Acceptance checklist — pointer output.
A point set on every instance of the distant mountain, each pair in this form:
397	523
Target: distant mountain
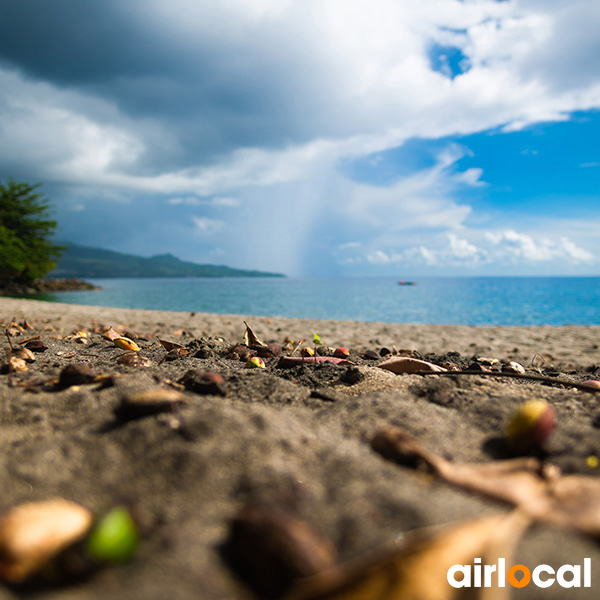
84	262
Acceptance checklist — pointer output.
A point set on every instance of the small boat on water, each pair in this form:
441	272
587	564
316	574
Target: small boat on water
407	283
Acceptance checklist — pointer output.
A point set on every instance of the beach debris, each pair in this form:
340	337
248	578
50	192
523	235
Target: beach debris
270	351
530	425
124	343
111	335
134	360
168	346
420	567
341	352
26	325
36	346
114	538
536	487
176	353
370	355
79	337
76	374
13	365
204	382
32	534
293	361
306	351
352	375
24	354
149	402
593	383
269	548
239	352
251	340
513	367
403	364
317	340
13	329
256	362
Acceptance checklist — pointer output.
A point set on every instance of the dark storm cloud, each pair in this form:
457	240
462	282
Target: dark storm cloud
214	92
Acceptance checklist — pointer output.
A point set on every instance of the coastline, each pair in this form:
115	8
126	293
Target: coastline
294	439
565	343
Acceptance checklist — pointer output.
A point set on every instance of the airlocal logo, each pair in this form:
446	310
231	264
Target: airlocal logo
519	576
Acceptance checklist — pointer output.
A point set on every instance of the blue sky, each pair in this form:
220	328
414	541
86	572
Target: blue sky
313	137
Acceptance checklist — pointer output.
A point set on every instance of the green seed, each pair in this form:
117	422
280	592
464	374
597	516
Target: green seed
114	538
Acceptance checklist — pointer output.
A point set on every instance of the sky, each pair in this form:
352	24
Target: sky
315	138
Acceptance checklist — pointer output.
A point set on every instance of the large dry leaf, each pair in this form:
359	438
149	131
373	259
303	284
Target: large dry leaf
539	489
251	340
418	570
403	364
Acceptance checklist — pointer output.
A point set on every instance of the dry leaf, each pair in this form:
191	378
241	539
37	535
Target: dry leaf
418	570
251	340
403	364
111	335
538	488
168	346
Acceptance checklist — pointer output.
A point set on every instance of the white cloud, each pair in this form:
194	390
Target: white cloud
225	201
491	248
513	246
205	225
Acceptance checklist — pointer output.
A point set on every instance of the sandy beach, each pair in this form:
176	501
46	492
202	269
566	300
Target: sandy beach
293	438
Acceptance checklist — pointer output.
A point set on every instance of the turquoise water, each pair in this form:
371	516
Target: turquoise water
468	301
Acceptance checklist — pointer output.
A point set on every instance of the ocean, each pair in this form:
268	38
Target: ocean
466	301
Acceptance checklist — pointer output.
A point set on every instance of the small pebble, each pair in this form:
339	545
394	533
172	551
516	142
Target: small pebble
513	367
76	374
204	382
150	402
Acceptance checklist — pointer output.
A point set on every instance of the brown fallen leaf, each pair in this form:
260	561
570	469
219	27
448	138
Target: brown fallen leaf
419	569
110	334
251	340
537	488
168	346
404	364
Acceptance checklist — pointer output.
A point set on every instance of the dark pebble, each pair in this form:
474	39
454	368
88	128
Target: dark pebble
204	382
76	374
370	355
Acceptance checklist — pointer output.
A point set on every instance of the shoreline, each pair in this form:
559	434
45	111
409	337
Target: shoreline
578	344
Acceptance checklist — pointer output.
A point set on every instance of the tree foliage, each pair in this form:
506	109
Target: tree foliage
26	252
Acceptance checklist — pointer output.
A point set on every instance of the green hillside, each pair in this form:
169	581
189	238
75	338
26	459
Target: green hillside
84	262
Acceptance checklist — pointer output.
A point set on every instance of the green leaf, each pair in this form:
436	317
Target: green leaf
316	340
